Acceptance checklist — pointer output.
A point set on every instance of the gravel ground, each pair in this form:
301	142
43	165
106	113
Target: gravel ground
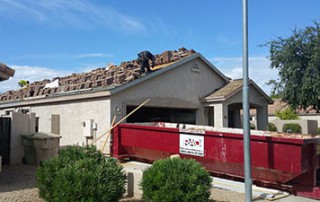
17	183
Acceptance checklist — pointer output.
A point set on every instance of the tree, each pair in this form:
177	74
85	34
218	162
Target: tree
297	59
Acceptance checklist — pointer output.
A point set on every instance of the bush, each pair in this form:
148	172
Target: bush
272	127
80	174
318	131
176	180
287	114
291	128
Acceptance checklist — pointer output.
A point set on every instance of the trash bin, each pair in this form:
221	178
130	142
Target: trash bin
39	147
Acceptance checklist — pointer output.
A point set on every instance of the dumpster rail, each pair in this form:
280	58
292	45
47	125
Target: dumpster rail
279	160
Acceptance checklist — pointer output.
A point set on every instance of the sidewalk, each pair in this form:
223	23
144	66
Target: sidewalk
222	190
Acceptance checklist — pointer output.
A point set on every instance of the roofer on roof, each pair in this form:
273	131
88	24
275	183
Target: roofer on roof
23	83
143	59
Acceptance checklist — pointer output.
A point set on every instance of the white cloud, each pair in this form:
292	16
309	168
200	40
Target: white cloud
93	55
259	69
80	13
64	56
31	74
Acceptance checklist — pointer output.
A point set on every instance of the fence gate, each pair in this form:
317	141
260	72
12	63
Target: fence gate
5	129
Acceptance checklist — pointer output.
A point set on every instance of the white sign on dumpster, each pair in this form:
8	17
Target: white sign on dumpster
191	144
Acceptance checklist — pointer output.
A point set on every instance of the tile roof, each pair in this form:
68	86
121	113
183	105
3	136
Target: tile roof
232	88
280	105
111	76
226	90
5	72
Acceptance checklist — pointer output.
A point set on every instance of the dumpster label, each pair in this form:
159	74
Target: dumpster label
197	131
191	144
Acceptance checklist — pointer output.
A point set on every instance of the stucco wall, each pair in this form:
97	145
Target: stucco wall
21	124
255	98
309	117
72	115
307	126
180	87
312	117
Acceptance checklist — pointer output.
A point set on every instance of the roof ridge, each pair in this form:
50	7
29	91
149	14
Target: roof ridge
111	75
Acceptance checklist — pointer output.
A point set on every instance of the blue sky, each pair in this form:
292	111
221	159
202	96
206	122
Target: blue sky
47	38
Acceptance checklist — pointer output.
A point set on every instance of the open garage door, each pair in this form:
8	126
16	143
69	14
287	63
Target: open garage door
155	114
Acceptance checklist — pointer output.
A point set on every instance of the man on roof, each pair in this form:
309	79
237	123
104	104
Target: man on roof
23	83
143	59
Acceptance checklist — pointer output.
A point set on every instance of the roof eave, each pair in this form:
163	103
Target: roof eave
5	72
215	99
62	97
4	76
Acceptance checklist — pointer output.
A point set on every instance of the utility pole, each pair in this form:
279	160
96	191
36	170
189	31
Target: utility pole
246	105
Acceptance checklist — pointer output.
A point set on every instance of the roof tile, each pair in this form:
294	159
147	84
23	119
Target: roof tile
110	76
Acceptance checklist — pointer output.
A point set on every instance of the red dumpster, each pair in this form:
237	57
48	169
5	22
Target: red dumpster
279	160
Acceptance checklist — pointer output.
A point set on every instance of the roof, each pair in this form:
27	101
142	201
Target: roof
227	90
5	72
277	104
169	67
233	87
115	78
280	105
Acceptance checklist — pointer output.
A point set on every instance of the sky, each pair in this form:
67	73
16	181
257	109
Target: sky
42	39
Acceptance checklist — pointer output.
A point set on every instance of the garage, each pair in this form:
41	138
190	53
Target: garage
155	114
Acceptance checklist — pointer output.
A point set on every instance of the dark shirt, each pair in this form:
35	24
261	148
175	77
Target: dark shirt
145	56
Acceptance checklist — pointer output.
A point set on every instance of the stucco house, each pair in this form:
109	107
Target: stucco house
309	119
184	88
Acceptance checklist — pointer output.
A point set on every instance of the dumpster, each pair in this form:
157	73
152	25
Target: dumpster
39	147
279	160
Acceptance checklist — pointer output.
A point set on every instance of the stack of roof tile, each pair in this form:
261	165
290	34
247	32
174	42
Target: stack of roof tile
110	76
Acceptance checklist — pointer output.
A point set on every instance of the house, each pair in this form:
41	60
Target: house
309	119
184	88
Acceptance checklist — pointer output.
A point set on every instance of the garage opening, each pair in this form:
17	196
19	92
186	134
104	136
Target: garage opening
155	114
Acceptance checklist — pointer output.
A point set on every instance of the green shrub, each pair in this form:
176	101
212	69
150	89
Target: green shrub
80	174
176	180
252	126
292	128
272	127
318	131
287	114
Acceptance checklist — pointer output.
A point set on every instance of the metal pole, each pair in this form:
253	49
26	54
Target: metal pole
245	106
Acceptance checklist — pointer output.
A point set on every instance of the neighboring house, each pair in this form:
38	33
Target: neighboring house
278	104
186	88
309	119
